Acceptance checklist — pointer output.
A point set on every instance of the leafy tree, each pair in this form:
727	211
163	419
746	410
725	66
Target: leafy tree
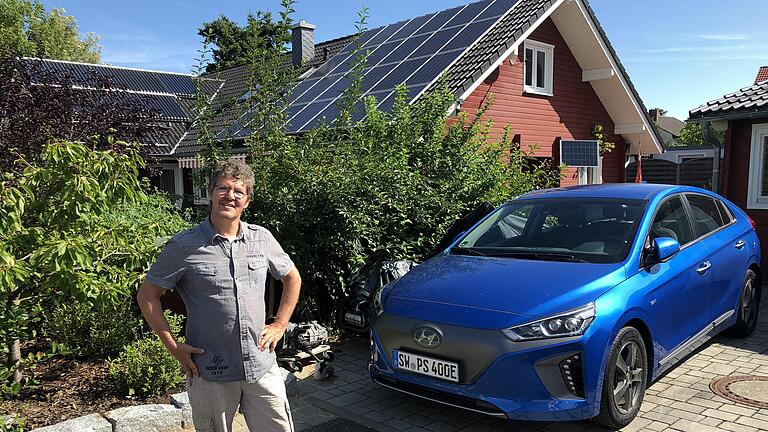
691	136
66	234
27	29
32	115
235	44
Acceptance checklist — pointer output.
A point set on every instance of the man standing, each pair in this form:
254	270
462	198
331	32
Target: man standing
219	269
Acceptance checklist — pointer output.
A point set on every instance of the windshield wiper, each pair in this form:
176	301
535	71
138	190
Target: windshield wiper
466	251
539	256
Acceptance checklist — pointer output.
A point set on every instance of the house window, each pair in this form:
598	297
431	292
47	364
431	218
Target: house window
538	67
757	197
201	193
591	175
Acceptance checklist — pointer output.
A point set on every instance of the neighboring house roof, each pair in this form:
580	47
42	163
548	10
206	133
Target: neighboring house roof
171	95
671	125
748	102
762	74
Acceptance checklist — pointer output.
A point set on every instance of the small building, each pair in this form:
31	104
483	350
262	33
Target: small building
742	176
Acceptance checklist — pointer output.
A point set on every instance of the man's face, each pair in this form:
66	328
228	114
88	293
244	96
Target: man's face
229	198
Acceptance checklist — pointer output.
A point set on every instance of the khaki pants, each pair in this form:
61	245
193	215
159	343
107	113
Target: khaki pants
264	404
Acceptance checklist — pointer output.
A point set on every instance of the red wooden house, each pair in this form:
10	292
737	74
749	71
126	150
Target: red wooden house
549	65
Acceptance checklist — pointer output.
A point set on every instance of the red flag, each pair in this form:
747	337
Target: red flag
639	175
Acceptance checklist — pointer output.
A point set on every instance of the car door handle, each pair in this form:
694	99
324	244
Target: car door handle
739	244
703	267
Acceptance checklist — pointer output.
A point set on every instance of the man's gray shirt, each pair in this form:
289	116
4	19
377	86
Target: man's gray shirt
222	285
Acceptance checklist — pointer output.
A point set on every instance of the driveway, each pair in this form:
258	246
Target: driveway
680	401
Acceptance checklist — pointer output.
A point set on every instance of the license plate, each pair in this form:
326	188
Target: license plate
426	365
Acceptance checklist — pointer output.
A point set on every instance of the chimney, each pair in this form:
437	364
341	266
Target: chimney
303	42
655	114
762	74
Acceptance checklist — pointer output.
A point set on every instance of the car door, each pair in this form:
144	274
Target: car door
681	284
717	231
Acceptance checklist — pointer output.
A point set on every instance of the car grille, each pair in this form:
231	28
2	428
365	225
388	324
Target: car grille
442	397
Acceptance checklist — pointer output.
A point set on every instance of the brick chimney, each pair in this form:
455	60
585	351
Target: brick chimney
303	42
655	114
762	74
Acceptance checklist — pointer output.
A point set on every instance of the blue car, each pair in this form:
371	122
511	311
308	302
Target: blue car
567	303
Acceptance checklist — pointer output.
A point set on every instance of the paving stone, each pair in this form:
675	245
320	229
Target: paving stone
145	418
749	421
690	426
346	399
89	423
735	427
722	415
398	424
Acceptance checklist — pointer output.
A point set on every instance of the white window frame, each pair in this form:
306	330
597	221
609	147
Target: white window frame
197	192
549	55
756	163
590	175
177	181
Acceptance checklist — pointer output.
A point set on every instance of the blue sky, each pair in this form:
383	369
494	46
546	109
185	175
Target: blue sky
679	53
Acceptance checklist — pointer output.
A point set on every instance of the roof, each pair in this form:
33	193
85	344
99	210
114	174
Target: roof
762	74
748	102
641	191
671	125
171	95
236	84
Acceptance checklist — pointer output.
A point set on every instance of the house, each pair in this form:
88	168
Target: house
741	176
668	127
548	64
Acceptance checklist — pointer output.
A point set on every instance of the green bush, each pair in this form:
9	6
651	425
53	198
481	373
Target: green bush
145	367
12	424
92	332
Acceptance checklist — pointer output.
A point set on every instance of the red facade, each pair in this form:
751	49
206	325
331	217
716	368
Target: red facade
542	121
738	145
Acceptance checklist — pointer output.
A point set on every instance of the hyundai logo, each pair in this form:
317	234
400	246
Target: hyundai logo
427	337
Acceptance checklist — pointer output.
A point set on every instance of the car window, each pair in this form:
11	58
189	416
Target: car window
593	230
725	212
671	220
706	216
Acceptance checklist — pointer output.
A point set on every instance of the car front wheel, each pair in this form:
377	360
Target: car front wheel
625	379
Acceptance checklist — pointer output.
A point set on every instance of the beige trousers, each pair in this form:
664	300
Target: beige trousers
264	404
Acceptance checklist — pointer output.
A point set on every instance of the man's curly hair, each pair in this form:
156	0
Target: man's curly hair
236	169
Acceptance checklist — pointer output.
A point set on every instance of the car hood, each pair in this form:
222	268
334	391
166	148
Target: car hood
490	292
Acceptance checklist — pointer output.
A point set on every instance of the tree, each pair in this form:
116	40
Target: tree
236	45
691	136
32	115
27	29
64	234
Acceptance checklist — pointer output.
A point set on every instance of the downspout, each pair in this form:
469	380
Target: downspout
709	138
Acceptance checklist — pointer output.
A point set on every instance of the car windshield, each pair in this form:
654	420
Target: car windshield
577	230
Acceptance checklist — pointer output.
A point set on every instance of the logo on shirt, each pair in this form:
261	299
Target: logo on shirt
216	365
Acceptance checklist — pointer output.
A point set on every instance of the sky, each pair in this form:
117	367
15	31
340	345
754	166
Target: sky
678	53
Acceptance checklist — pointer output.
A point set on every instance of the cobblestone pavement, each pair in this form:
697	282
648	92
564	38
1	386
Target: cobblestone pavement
680	401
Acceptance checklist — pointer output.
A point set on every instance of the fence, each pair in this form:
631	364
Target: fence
691	172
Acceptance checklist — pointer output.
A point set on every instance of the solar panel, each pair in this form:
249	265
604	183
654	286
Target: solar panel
579	153
415	52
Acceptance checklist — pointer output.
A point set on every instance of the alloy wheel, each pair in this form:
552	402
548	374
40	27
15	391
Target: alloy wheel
627	383
748	302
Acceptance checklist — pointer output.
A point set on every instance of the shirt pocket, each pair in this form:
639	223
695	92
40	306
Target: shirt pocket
257	271
206	278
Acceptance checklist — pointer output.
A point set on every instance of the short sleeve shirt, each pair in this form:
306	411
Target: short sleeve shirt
222	284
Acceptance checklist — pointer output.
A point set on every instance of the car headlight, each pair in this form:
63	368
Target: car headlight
571	323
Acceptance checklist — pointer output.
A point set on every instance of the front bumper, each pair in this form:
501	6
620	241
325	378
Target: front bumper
524	382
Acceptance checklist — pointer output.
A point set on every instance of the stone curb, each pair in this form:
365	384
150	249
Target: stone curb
145	418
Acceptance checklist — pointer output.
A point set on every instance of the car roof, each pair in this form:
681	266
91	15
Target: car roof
642	191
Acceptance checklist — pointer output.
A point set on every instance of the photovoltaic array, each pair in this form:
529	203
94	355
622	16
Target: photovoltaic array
414	52
579	153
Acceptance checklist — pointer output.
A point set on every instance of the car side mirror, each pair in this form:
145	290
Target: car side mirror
662	249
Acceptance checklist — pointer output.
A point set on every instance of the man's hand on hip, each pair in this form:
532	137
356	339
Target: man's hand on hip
183	354
271	335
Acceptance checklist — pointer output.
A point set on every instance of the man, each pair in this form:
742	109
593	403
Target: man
219	269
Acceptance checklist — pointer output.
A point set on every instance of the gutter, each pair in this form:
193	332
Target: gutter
709	138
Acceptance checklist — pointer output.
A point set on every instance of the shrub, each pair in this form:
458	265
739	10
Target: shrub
12	424
92	332
145	367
